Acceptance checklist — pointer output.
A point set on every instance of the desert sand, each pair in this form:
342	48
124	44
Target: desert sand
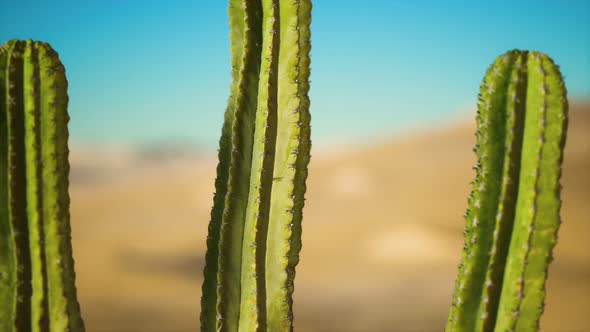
382	234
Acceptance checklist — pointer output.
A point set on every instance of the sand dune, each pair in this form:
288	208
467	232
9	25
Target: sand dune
382	235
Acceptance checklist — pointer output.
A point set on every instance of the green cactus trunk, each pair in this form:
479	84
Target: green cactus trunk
513	211
255	230
37	291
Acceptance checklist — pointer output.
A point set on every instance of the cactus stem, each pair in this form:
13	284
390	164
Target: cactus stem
521	105
38	296
254	235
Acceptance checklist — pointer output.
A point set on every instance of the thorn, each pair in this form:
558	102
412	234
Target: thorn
481	186
490	88
544	107
516	79
543	89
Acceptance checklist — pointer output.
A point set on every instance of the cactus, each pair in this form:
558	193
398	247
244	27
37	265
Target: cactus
37	291
255	230
513	210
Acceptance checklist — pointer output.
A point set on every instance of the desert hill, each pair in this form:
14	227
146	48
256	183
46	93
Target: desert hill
382	234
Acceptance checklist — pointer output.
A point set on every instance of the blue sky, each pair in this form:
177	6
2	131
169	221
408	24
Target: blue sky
144	72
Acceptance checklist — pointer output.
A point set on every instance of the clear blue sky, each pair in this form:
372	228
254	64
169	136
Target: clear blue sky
158	71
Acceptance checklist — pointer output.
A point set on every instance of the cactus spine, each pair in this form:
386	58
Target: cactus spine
513	210
255	230
37	291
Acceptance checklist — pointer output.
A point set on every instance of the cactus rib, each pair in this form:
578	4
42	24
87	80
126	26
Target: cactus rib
40	293
209	288
291	160
253	291
254	233
513	210
232	221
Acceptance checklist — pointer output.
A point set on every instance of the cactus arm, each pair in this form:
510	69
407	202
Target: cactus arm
236	198
40	294
209	288
262	172
291	160
253	289
537	214
521	136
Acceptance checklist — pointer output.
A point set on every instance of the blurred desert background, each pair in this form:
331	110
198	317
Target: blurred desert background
381	243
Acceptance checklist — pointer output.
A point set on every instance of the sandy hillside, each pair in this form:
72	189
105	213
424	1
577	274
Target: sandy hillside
382	235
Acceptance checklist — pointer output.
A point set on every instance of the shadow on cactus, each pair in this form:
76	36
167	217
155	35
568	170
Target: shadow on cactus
37	290
513	210
255	230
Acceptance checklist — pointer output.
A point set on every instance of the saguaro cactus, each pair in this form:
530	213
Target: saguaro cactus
255	230
513	210
37	291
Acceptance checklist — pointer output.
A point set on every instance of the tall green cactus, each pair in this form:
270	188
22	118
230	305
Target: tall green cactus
513	210
37	291
255	230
